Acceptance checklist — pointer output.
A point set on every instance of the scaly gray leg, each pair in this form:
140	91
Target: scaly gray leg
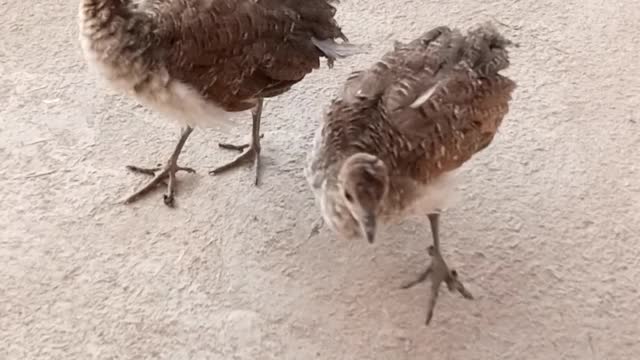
252	154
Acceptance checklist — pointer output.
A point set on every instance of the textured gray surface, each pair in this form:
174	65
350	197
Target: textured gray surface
544	232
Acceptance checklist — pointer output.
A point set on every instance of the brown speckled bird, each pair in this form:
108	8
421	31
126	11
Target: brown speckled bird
199	60
389	145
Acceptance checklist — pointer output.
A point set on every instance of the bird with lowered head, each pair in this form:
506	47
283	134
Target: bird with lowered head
390	144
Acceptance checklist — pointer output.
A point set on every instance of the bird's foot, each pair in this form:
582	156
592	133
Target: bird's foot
251	155
160	174
239	148
315	228
439	272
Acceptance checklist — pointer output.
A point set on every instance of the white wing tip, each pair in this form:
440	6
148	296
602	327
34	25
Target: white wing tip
420	100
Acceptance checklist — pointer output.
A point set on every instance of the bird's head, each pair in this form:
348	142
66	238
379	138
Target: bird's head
363	183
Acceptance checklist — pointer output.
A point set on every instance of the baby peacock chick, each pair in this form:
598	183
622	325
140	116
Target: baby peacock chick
389	145
199	60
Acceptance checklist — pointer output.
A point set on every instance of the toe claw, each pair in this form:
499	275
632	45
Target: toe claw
464	292
431	250
187	169
246	157
429	317
315	228
420	279
168	200
239	148
456	285
139	170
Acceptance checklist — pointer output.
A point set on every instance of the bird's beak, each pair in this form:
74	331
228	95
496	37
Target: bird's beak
368	225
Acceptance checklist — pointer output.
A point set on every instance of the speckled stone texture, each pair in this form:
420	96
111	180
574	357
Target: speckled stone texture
544	233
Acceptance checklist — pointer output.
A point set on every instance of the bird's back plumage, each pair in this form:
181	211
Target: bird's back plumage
185	55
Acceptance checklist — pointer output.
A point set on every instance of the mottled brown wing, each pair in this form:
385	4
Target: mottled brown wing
459	119
234	51
447	96
443	92
402	74
450	77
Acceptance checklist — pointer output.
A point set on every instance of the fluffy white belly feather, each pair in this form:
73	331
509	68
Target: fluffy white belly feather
175	99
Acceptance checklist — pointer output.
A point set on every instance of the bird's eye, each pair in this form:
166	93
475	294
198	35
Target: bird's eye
348	196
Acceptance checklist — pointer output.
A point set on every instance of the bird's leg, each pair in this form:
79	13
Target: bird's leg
252	154
439	271
161	173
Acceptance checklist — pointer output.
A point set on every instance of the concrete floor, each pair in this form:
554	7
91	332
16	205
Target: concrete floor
544	233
